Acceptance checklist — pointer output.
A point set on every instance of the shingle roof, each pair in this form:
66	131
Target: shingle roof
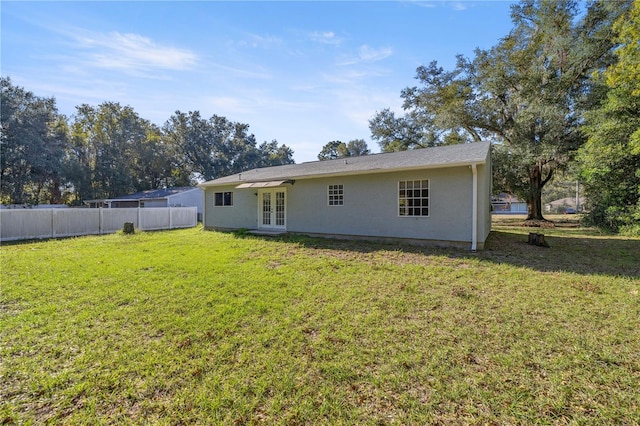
442	156
152	194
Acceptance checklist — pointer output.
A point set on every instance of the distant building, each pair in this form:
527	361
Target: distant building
187	196
505	203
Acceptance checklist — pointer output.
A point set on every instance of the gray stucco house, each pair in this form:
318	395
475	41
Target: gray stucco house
438	195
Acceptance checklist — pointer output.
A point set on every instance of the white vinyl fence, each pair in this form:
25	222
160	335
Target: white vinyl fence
52	223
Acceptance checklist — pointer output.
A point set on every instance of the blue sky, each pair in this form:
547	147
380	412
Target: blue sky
304	73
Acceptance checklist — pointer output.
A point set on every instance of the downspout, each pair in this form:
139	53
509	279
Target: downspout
204	208
474	209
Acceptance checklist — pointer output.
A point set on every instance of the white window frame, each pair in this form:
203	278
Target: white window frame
223	199
406	196
335	195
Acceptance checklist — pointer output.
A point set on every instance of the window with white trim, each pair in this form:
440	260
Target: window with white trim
223	199
336	195
413	198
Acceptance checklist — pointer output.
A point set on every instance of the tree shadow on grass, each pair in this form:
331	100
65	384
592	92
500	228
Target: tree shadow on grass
587	255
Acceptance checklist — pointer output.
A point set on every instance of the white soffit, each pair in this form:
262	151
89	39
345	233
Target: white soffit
267	184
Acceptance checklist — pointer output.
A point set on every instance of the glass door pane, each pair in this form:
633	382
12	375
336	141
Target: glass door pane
266	208
280	208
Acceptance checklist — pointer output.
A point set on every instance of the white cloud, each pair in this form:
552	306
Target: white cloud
369	54
424	4
455	5
326	37
459	6
133	52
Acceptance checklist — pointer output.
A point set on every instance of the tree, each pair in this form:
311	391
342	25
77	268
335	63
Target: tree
338	149
611	157
273	155
526	94
357	147
151	166
411	131
113	152
205	149
31	147
332	150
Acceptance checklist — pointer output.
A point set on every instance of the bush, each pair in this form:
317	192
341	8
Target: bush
623	220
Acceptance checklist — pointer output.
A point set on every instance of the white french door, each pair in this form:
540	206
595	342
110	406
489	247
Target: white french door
272	208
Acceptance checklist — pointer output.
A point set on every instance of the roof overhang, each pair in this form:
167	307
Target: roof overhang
265	184
351	166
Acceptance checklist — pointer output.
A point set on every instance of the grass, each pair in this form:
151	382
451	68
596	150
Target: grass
194	327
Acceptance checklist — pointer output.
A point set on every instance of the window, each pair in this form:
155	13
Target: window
223	199
413	198
336	195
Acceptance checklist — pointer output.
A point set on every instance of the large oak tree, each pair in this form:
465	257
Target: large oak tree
32	141
204	149
113	151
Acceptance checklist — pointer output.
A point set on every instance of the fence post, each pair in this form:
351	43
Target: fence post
139	218
100	221
53	227
170	218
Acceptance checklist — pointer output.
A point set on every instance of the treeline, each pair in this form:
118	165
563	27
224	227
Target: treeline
108	150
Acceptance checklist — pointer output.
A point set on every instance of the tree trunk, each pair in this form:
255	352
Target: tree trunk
55	196
534	200
537	240
128	228
534	208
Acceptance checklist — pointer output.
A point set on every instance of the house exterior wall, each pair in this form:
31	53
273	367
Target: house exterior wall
243	213
370	206
192	198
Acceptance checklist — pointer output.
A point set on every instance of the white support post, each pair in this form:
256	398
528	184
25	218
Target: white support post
474	209
204	209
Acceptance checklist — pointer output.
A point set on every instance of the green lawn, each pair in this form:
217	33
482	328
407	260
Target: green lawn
195	327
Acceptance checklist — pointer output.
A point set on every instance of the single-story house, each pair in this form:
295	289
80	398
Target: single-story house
187	196
505	203
438	195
